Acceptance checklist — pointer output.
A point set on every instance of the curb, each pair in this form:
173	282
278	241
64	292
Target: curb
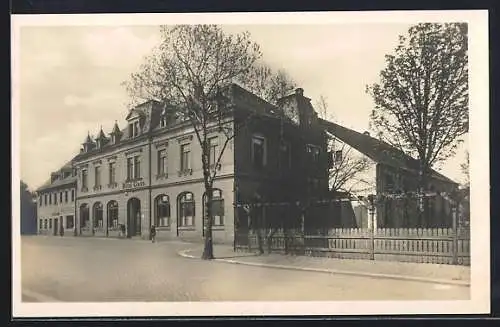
185	254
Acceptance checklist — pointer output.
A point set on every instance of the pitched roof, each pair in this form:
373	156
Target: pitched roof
68	180
377	150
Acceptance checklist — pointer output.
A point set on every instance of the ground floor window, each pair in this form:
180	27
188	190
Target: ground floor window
50	223
45	223
112	214
217	207
162	211
41	224
70	222
186	209
98	214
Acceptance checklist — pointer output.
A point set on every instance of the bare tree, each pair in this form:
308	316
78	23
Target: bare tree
421	102
465	170
268	84
323	109
189	71
346	172
345	175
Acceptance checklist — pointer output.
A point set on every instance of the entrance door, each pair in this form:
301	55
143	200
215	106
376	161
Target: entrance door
133	217
55	226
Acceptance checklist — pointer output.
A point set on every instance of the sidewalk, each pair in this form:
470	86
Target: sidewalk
433	273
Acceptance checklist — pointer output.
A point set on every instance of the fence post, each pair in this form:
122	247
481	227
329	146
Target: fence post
371	211
455	234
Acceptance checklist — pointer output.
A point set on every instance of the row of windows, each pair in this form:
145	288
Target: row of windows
46	223
258	153
186	214
134	165
56	197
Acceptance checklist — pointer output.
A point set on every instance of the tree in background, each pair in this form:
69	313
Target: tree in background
465	170
346	169
188	72
28	210
264	82
421	101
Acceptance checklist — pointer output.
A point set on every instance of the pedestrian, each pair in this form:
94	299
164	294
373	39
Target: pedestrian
153	233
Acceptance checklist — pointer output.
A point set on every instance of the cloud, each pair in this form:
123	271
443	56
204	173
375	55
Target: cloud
117	47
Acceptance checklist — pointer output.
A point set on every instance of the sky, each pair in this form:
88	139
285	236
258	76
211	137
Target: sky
71	79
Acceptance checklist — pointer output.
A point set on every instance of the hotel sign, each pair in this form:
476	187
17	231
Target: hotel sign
131	185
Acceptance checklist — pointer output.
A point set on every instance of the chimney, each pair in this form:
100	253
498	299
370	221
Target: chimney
299	91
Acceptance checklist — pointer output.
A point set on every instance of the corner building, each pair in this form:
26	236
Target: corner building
150	172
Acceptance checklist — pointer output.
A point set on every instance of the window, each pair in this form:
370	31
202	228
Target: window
97	213
217	207
40	224
285	156
162	211
55	198
389	183
45	223
50	223
186	209
72	195
314	152
162	162
133	129
163	121
84	216
97	176
66	196
258	152
130	168
185	151
337	157
45	198
133	168
112	214
84	179
112	173
98	144
213	144
137	167
70	222
61	197
40	201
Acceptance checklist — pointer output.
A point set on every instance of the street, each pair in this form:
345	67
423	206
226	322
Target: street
106	270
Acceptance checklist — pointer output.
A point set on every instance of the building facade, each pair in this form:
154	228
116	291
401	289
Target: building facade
388	174
56	203
150	172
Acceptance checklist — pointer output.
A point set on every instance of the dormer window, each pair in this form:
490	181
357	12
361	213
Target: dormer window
163	120
99	144
134	129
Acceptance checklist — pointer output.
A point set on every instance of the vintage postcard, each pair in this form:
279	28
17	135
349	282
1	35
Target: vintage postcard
329	163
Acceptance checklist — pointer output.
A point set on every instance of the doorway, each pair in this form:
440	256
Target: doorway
133	217
56	224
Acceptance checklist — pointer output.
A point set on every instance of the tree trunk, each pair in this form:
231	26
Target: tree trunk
422	187
208	250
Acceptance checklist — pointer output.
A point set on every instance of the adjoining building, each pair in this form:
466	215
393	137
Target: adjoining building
389	174
56	202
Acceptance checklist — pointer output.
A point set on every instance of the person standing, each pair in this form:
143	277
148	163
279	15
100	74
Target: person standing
153	233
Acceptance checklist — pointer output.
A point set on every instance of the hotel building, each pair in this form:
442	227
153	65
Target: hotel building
150	172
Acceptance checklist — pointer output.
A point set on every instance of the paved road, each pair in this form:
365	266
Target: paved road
92	270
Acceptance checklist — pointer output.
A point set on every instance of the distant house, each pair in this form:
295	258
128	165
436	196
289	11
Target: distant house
389	172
